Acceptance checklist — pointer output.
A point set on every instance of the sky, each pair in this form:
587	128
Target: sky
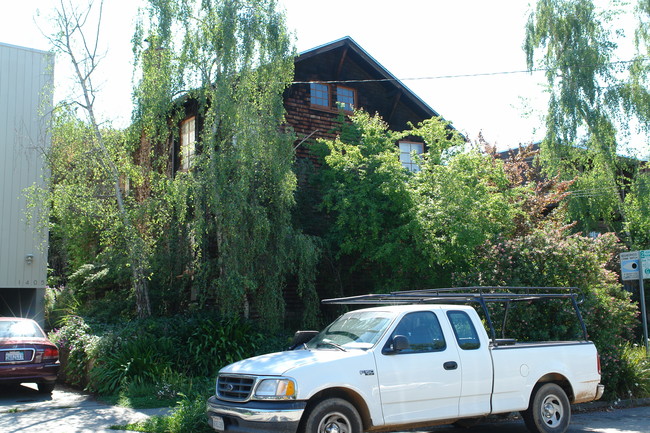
439	49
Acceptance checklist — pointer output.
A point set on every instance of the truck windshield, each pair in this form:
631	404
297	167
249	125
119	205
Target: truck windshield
353	331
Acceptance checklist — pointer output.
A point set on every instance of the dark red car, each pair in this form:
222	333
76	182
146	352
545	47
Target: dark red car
26	355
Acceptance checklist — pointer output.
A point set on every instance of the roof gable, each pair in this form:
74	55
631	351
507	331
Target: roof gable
344	62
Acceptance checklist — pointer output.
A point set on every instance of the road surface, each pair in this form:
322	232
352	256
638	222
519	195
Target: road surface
24	410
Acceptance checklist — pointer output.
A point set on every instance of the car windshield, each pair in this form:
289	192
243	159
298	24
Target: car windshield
19	328
355	330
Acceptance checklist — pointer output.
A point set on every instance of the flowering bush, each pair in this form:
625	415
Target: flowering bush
77	345
551	256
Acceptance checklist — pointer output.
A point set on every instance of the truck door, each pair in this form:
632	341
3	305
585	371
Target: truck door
475	365
423	381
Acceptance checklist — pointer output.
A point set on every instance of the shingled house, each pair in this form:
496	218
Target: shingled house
339	74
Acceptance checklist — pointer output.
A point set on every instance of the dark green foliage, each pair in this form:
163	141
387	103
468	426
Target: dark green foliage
365	193
215	344
133	362
160	354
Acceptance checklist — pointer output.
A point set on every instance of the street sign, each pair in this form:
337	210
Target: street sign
638	262
630	263
644	257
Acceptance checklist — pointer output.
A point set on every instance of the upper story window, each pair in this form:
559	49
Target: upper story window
346	97
188	142
320	94
406	151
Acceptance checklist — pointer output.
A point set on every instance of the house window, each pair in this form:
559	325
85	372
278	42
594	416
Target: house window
345	97
188	140
406	151
320	94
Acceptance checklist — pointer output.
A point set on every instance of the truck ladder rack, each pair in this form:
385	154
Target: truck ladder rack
476	294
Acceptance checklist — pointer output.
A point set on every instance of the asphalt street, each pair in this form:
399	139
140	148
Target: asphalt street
23	409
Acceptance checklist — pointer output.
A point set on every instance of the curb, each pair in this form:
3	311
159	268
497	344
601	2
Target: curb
610	405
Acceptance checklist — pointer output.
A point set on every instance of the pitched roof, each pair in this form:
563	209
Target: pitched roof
372	67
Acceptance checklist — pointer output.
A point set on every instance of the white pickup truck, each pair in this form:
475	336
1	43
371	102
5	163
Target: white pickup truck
413	362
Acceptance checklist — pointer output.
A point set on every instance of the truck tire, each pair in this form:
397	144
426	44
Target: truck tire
333	415
549	410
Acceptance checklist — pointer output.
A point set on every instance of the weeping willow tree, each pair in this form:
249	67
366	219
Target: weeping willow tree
596	99
233	60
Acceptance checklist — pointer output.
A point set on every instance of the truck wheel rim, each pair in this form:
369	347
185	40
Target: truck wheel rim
552	411
334	422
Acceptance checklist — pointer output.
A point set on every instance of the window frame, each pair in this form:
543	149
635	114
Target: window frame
187	147
345	104
410	165
327	91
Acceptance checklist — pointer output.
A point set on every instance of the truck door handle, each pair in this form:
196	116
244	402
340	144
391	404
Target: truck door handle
450	365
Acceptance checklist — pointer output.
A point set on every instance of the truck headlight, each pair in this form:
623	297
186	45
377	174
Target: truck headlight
276	389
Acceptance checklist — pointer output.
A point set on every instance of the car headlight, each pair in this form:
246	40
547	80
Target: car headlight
277	389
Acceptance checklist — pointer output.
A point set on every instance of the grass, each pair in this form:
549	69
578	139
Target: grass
187	416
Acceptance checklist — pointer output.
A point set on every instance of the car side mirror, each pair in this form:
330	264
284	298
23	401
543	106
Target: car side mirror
302	337
398	344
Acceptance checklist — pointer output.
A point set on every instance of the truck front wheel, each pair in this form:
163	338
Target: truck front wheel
549	410
333	415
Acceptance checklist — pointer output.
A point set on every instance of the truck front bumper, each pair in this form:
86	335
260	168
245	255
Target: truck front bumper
255	416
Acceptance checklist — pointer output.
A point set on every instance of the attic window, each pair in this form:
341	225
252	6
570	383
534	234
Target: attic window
320	94
406	151
345	96
188	140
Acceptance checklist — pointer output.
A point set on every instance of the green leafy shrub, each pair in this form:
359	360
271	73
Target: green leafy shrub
215	344
156	359
630	370
137	361
187	416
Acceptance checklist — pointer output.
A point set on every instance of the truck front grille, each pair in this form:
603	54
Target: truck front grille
235	388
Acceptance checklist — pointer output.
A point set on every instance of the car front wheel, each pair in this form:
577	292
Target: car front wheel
333	415
549	410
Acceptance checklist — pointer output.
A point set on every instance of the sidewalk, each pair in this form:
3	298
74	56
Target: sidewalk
66	411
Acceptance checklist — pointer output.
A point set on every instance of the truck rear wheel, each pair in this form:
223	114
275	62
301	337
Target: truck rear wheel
333	415
549	410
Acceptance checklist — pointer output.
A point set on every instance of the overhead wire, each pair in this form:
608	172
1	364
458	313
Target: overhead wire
477	74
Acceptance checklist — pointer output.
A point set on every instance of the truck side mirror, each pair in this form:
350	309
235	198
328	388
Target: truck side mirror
302	337
398	343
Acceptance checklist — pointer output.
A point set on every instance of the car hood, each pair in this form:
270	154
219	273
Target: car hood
281	363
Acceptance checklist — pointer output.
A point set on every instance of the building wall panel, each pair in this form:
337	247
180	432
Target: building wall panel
25	104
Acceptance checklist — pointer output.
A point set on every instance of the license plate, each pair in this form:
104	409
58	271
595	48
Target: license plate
217	423
14	356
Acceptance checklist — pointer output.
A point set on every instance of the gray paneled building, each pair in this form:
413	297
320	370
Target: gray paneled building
26	81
